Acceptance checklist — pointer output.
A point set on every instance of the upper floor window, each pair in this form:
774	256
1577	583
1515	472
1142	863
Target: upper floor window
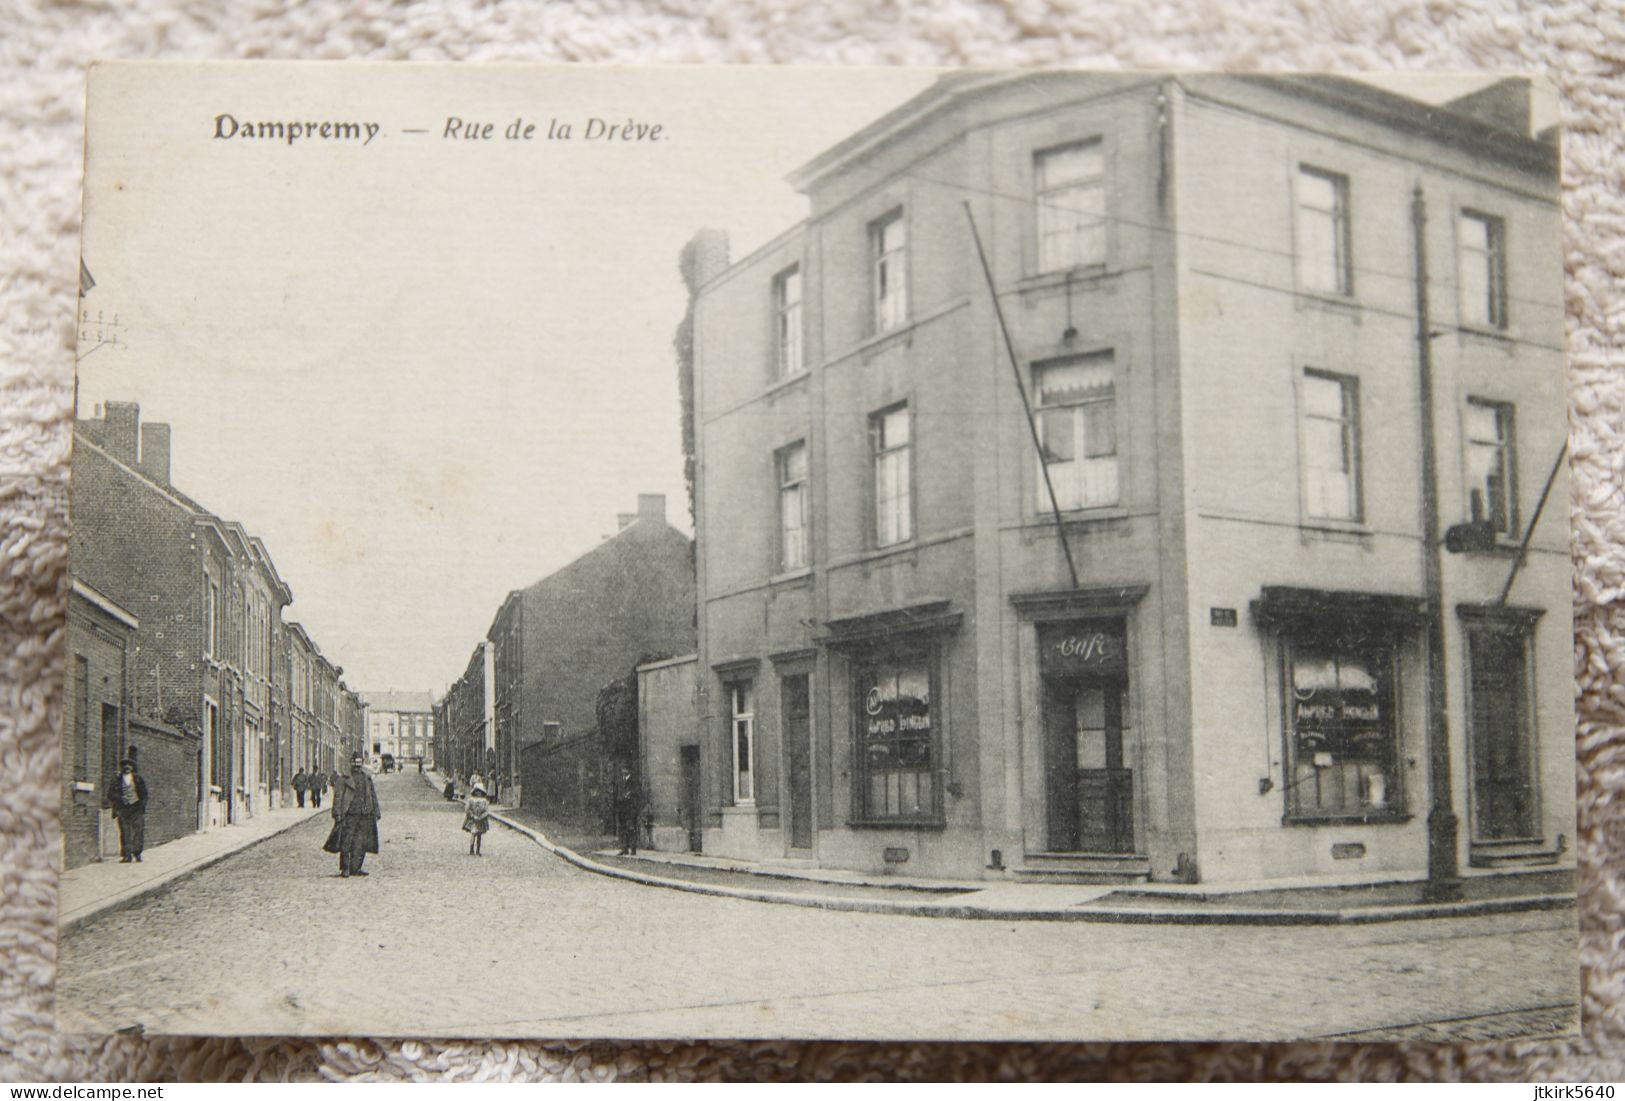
1071	186
211	619
1323	232
1491	485
787	320
793	504
1331	446
888	241
1481	269
1077	429
891	440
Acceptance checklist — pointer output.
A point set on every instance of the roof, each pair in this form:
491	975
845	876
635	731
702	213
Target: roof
392	700
1441	122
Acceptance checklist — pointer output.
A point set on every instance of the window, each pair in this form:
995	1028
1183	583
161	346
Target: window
1341	730
1481	269
887	245
743	726
1502	746
793	505
1491	484
890	439
1323	232
897	780
1077	428
787	314
1071	186
211	620
81	717
1331	446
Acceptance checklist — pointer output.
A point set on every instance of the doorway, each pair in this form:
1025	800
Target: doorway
688	802
794	692
1089	792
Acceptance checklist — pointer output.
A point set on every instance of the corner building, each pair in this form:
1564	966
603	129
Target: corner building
1208	285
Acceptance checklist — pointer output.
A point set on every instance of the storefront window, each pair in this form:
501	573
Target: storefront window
1342	731
896	740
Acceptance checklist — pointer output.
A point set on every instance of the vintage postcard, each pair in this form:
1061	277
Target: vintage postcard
874	553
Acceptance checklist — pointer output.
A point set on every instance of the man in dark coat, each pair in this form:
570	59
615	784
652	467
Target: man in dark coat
127	795
628	812
318	786
301	784
355	819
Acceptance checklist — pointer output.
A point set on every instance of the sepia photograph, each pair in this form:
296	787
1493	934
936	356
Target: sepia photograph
870	553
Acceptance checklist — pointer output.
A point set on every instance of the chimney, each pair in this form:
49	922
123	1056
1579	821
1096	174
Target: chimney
652	506
1503	104
122	434
624	520
704	257
155	452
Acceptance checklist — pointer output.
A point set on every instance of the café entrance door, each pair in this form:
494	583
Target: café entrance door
1088	786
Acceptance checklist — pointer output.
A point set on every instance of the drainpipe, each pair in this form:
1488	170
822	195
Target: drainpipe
1444	880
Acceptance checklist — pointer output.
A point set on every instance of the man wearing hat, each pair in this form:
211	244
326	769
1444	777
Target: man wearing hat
355	819
127	795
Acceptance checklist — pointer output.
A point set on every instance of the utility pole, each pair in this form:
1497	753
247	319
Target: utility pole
1021	388
1444	880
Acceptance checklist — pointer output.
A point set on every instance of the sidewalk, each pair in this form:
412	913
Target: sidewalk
1275	903
93	889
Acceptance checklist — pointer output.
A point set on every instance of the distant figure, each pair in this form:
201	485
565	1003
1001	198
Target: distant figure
477	819
420	766
127	795
628	812
301	784
451	791
355	819
318	786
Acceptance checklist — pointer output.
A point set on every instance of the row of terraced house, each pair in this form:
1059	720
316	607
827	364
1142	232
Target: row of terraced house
179	654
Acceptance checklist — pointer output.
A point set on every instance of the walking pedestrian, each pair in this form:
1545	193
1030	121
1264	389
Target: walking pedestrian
628	812
127	795
301	784
476	819
355	819
318	786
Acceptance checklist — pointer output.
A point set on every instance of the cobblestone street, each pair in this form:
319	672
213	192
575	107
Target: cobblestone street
518	943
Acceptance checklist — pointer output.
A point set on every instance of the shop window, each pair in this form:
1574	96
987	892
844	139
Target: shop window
791	463
1491	484
787	320
1071	198
1342	733
888	239
1323	232
1077	425
742	724
896	740
1331	446
1503	752
891	442
1481	269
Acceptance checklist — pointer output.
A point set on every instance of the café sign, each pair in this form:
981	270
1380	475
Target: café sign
1093	648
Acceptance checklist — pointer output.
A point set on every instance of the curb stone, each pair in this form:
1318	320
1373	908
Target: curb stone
1083	912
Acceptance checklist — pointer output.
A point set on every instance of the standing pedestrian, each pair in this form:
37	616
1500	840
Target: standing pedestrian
355	819
628	812
301	784
127	795
476	819
318	786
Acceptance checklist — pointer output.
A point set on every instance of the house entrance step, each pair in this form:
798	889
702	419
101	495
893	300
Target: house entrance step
1098	868
1512	854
